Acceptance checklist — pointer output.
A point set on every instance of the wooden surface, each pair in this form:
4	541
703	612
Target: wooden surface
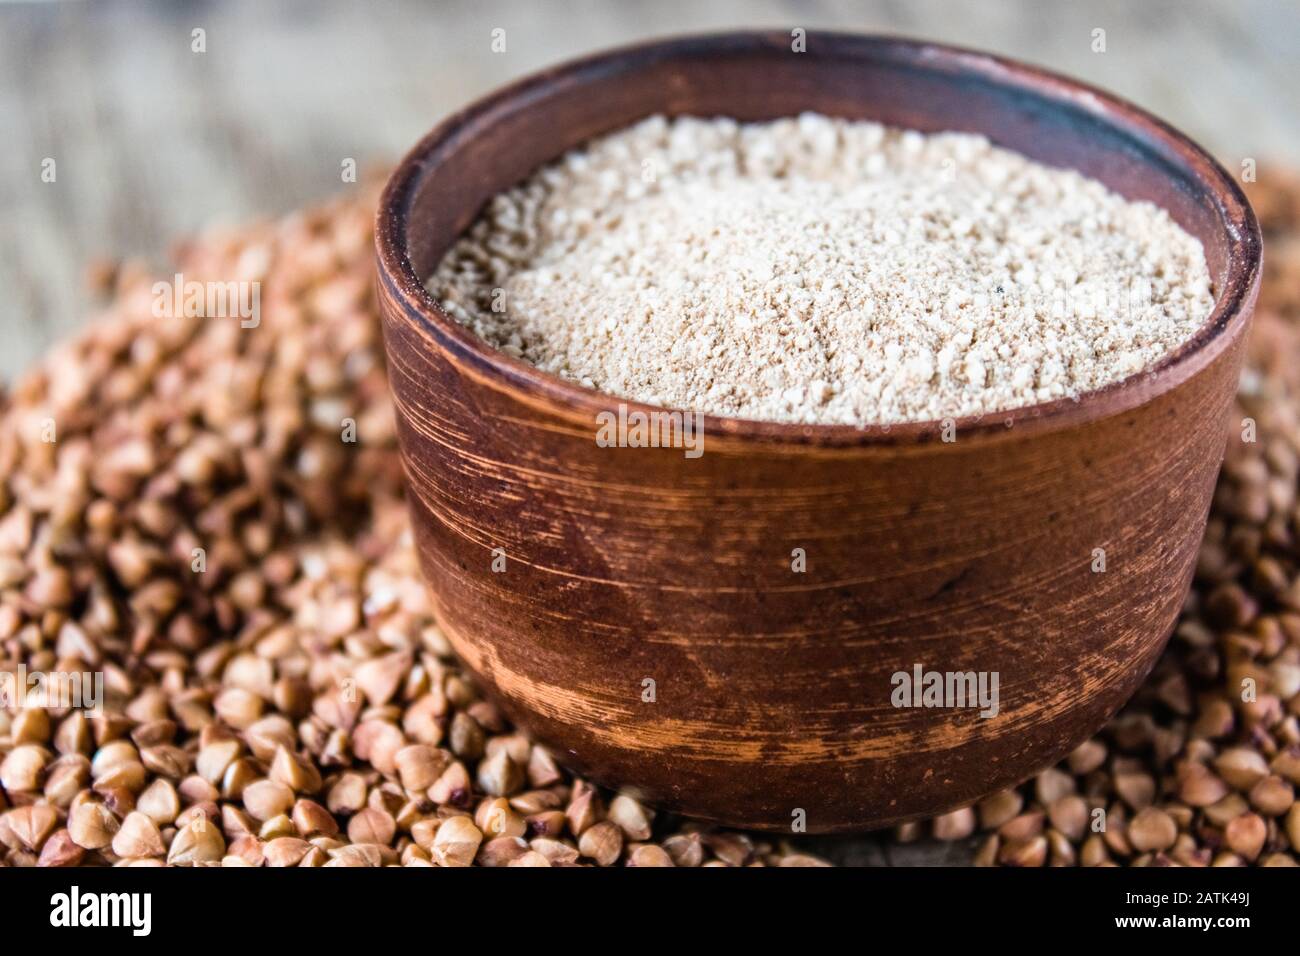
152	141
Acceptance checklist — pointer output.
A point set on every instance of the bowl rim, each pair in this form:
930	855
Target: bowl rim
1224	325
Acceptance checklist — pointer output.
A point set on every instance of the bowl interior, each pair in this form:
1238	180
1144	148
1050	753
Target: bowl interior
444	182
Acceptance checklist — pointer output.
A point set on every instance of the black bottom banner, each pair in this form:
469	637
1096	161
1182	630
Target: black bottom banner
137	904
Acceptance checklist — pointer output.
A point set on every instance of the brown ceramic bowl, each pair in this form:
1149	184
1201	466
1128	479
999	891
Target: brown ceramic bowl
772	689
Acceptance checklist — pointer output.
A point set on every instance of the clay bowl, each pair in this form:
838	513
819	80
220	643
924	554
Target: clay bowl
772	689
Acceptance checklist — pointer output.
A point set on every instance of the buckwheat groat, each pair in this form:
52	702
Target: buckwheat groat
821	270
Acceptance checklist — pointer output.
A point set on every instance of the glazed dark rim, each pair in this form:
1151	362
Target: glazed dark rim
472	354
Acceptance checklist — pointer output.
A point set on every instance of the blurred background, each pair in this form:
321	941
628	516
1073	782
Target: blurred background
152	139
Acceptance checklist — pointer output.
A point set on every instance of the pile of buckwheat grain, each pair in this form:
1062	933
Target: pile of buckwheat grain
822	270
293	703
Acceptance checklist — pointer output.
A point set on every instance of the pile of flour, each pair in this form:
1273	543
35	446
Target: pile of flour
823	271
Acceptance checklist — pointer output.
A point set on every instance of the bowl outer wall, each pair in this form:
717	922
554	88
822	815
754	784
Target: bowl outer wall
772	689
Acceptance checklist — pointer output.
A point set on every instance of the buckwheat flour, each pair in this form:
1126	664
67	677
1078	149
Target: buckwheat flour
821	270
